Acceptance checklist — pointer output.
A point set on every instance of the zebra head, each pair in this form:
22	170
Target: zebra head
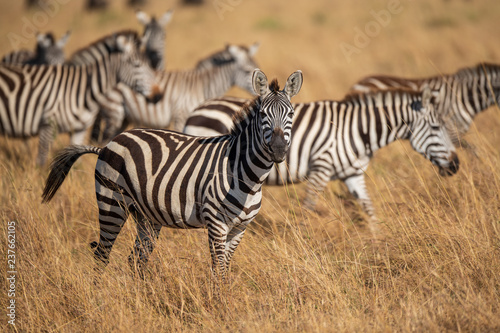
135	71
429	137
244	65
276	112
154	37
48	50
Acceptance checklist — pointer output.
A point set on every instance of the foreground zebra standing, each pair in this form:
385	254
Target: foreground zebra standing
165	178
336	140
461	96
43	100
182	92
48	51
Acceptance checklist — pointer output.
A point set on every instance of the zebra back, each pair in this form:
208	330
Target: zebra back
460	96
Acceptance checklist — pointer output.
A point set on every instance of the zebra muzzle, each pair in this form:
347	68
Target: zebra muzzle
452	168
278	146
155	95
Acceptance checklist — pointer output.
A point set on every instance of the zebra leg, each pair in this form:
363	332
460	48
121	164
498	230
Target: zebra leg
357	186
232	241
95	134
316	183
46	136
112	216
217	235
147	235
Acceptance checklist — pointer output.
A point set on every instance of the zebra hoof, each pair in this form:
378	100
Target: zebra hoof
93	245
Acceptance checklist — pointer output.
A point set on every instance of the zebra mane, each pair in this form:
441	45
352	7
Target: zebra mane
243	117
478	69
356	96
216	59
108	41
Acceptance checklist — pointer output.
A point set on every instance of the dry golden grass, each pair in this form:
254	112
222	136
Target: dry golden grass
436	268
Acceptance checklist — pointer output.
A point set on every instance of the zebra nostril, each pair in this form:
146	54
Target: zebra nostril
455	163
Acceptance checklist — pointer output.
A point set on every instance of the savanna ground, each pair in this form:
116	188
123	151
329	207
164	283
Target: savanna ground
436	267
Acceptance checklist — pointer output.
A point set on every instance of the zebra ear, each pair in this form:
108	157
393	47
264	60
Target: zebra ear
63	40
123	44
42	39
253	49
165	18
232	49
143	18
259	82
293	84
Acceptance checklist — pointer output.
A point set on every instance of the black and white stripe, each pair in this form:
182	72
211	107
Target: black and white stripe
182	92
43	100
460	96
155	36
336	139
165	178
48	52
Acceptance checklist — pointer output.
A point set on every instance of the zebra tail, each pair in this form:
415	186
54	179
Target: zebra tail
60	167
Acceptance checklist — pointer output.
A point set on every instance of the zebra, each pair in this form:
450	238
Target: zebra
154	29
48	51
461	96
43	100
166	178
336	139
182	92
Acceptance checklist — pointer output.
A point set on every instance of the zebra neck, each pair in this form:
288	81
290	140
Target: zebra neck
216	80
379	126
101	81
471	89
249	163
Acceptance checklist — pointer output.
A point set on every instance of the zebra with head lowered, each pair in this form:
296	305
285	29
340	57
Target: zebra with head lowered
182	92
460	96
43	100
155	36
165	178
48	51
336	139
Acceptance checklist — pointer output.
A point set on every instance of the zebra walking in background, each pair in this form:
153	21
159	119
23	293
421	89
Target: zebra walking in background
48	51
336	140
461	96
154	29
182	92
165	178
43	100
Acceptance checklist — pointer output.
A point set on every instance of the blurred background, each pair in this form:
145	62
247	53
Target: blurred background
334	43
